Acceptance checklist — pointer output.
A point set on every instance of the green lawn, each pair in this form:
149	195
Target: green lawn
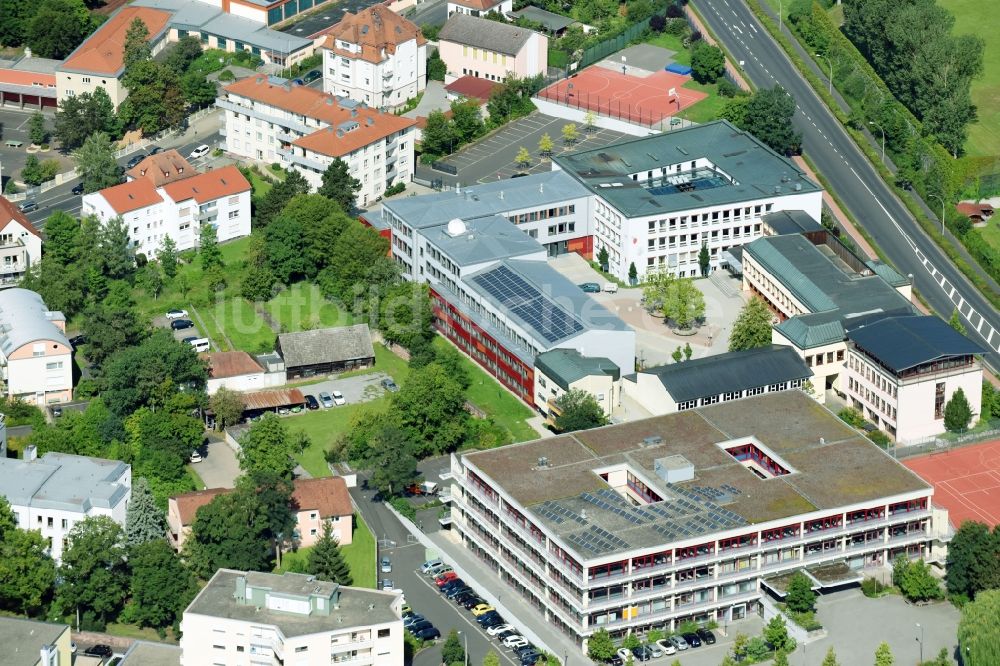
359	556
708	108
241	323
681	55
972	18
324	427
488	395
260	185
991	234
302	306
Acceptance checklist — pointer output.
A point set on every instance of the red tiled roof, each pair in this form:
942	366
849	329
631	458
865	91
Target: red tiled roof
481	5
163	168
327	495
378	30
208	186
20	77
303	100
189	503
974	209
273	399
103	51
11	213
472	87
130	196
230	364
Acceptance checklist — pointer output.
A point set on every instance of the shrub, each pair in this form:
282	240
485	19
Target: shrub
395	189
403	506
674	11
851	417
227	75
727	88
657	23
880	438
276	167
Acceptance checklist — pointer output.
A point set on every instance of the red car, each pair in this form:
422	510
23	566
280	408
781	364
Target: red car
445	577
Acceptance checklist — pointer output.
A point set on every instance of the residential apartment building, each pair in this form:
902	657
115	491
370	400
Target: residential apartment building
479	7
496	297
658	199
491	50
903	370
376	57
98	61
36	359
242	618
20	243
165	196
709	380
689	516
560	371
53	493
270	120
34	643
314	502
816	288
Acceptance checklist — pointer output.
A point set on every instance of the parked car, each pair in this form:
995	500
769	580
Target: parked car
444	577
103	651
499	629
410	620
706	636
610	287
389	385
489	618
338	398
385	566
642	653
590	287
154	150
655	649
691	639
134	161
195	457
77	189
417	626
325	399
454	592
427	634
471	602
614	661
57	411
311	76
624	654
667	647
181	324
78	340
405	610
200	151
519	174
436	571
517	640
299	82
467	595
311	401
28	206
176	314
679	642
482	609
426	567
530	657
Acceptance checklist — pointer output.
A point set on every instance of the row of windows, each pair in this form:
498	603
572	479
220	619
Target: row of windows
543	214
829	356
681	222
875	378
497	58
872	398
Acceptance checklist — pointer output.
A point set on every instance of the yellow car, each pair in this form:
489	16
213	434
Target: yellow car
482	609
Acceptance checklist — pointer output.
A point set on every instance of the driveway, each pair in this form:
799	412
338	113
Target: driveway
220	467
359	388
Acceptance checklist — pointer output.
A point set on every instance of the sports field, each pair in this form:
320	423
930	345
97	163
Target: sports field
966	481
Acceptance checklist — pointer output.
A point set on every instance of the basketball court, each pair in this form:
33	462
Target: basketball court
966	481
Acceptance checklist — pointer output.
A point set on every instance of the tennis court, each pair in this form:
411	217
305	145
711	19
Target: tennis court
966	481
644	100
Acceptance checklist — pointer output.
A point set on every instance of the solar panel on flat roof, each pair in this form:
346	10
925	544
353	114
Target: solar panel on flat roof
529	304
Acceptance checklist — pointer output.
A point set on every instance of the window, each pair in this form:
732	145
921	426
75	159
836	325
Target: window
239	648
939	401
38	349
302	648
86	79
384	633
65	523
49	522
219	647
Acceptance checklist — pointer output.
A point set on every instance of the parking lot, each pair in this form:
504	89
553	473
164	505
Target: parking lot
492	158
14	127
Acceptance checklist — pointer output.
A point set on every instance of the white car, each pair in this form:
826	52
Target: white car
499	629
200	151
665	645
195	457
515	641
338	398
176	314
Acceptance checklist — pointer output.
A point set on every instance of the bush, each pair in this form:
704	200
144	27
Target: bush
880	438
395	189
217	152
851	417
657	23
675	11
227	75
727	88
403	506
276	167
870	587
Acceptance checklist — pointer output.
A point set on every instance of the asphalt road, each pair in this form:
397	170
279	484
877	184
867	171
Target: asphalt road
852	177
432	12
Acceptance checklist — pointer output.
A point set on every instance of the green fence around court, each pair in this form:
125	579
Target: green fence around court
603	49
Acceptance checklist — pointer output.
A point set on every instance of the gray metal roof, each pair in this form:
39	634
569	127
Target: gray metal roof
824	285
485	34
22	639
747	170
146	653
904	342
730	372
791	222
565	366
551	21
491	198
63	481
25	319
485	239
326	345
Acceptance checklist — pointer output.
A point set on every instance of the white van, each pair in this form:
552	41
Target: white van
610	288
200	344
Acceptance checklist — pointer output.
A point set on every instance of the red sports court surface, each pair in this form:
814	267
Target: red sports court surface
643	100
966	481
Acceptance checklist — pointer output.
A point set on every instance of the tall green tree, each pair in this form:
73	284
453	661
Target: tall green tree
579	410
82	115
180	55
769	114
883	655
800	597
391	460
269	446
452	651
957	412
467	120
684	303
266	208
752	327
37	133
285	246
326	561
438	137
198	91
973	560
94	571
58	27
831	658
704	260
167	256
144	520
95	162
339	186
155	99
112	323
978	632
209	253
8	521
600	647
918	583
160	587
430	409
228	407
27	572
708	63
136	48
776	633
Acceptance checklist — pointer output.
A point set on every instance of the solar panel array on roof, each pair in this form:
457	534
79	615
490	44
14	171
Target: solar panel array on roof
528	303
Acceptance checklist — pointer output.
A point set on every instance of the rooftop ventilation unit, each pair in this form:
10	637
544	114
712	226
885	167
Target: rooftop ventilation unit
543	462
674	469
652	440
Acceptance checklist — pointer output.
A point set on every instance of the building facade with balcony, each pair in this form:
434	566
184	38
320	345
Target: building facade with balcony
658	199
53	493
903	370
491	50
376	57
20	243
270	120
177	207
36	359
689	516
248	618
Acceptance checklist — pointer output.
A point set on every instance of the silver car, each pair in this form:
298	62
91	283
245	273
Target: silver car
326	399
385	566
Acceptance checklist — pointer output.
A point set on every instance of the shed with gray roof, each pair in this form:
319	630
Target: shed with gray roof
326	350
485	34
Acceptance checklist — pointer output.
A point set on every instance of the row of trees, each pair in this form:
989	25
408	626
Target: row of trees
51	28
766	114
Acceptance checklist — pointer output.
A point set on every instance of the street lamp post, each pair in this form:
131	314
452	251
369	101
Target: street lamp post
921	641
820	55
872	122
941	199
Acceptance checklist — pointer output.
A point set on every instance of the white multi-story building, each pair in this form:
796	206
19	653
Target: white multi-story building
271	120
903	370
166	196
53	493
36	359
20	243
658	199
691	516
376	57
248	618
479	7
